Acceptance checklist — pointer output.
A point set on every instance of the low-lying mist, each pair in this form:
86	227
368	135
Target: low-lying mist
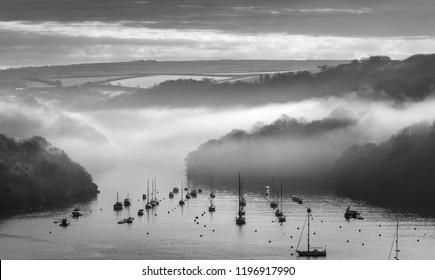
293	149
127	146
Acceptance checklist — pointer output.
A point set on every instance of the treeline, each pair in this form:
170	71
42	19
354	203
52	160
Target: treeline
400	171
34	173
373	77
376	76
289	149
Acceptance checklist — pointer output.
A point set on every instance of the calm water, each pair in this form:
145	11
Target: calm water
170	232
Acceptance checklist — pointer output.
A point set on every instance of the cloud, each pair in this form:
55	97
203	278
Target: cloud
65	31
300	11
314	17
63	43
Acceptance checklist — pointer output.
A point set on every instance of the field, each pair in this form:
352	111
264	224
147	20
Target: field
139	72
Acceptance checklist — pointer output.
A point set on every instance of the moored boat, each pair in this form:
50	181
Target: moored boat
311	251
64	223
351	214
118	205
212	207
279	212
77	212
193	193
148	204
127	201
181	202
240	220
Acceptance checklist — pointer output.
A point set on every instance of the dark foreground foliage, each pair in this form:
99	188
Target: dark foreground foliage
400	171
34	173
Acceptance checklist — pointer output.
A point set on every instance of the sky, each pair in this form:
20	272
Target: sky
47	32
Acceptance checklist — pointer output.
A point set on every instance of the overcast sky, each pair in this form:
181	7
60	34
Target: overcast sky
44	32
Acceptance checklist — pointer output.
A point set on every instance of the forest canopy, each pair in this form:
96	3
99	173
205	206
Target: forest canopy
400	170
34	173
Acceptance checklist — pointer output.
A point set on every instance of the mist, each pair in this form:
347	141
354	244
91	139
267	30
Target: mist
302	148
129	145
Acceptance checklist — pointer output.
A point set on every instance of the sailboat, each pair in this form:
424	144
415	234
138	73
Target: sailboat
240	220
212	207
395	240
311	251
242	198
140	212
64	223
156	191
188	194
181	202
148	205
127	201
212	194
118	205
279	213
273	203
144	196
153	194
193	193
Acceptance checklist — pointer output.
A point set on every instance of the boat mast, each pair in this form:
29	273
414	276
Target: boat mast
397	241
273	190
148	191
308	210
155	184
242	188
117	199
239	195
281	197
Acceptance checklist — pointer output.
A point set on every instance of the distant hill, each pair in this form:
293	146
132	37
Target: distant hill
16	77
376	77
34	173
400	171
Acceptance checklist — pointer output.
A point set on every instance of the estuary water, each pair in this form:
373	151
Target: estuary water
170	231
